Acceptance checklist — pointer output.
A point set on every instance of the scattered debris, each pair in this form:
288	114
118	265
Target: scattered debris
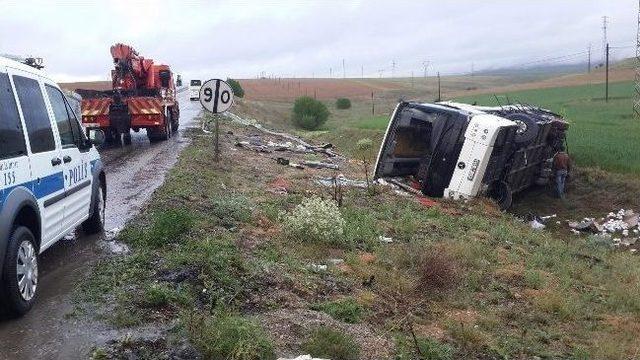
341	180
318	267
279	186
303	145
536	225
320	165
616	226
427	202
384	239
286	162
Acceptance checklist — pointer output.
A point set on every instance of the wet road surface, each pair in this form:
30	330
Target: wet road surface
50	331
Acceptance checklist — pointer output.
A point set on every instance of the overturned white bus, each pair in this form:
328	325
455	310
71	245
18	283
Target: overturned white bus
461	151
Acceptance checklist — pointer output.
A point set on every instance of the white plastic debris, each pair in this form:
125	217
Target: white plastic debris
302	357
112	234
536	225
318	267
384	239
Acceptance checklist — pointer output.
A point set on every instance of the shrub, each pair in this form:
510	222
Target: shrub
309	113
363	151
227	336
422	348
236	87
433	350
331	344
166	226
347	310
221	268
343	103
361	228
231	209
438	272
315	220
157	296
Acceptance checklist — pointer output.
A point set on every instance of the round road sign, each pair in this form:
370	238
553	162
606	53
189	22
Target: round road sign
216	96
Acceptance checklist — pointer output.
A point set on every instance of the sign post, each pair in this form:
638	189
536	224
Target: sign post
216	96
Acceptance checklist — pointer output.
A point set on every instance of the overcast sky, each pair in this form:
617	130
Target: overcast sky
241	39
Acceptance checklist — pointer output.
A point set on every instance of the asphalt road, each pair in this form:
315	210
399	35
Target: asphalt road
50	331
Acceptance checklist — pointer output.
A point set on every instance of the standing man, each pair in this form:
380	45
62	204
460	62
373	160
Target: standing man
561	167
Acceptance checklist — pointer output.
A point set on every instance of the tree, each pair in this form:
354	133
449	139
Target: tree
343	103
309	113
236	87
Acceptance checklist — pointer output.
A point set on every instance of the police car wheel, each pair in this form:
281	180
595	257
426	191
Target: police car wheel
95	223
20	272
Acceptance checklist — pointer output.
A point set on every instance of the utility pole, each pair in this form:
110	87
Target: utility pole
606	89
330	72
373	105
604	36
425	64
636	100
589	59
362	71
439	93
344	72
393	68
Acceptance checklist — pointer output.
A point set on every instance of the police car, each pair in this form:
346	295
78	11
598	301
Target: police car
51	178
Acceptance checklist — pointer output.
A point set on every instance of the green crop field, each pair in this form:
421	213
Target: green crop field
602	134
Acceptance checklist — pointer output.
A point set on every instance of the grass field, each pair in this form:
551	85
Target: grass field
212	260
602	134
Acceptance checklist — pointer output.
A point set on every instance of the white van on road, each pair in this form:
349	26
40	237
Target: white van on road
51	178
194	89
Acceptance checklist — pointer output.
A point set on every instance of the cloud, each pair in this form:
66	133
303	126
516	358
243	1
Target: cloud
299	38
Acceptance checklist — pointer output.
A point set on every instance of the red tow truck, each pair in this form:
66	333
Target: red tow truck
143	96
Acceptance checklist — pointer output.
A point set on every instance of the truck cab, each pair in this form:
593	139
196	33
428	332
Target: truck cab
51	178
461	151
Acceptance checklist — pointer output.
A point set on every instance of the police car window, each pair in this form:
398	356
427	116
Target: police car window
35	114
11	135
61	114
78	133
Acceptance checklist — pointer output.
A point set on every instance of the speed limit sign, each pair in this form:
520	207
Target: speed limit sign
216	96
